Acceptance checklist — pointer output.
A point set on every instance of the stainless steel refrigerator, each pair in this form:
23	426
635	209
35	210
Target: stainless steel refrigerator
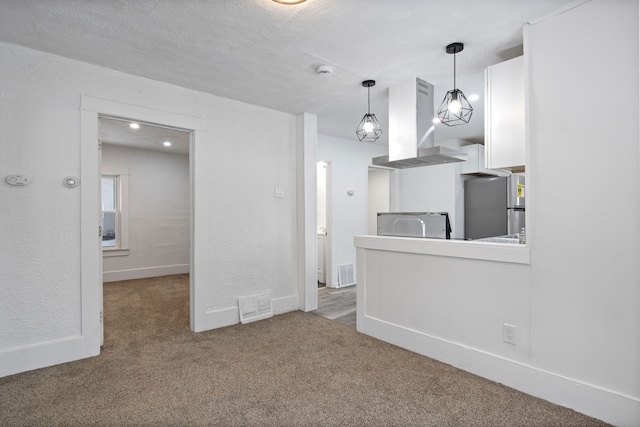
493	206
515	204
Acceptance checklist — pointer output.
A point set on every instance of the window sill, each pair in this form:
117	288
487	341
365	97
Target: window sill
108	252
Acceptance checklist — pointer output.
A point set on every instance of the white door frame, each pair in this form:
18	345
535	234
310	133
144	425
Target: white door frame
307	136
328	252
91	276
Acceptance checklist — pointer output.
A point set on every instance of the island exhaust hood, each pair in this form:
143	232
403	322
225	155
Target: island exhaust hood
411	129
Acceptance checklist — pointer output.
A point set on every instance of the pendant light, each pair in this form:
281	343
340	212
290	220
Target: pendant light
455	109
369	129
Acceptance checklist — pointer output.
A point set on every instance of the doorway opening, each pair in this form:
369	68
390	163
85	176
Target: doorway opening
145	212
322	224
91	109
335	304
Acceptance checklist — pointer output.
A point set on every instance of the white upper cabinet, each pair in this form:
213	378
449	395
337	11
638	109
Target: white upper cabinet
504	129
475	163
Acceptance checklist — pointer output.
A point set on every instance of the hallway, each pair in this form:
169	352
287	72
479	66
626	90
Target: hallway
338	305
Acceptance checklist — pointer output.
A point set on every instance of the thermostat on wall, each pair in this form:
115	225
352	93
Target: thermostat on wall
18	180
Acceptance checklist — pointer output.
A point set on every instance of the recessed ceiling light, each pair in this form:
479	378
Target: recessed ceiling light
166	144
134	125
289	1
474	97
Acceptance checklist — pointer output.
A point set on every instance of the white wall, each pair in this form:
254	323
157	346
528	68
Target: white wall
379	197
250	234
429	189
350	161
158	213
585	298
437	188
576	301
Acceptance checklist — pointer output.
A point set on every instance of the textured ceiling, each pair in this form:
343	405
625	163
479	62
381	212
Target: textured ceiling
266	53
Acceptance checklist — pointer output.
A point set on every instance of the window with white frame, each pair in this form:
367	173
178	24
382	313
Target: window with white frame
115	215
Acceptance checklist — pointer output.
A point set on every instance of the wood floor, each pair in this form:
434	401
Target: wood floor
338	305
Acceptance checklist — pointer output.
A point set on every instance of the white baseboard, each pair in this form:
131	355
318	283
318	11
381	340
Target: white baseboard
142	273
229	315
27	358
588	399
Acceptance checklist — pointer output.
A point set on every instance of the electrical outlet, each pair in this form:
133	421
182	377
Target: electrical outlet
509	333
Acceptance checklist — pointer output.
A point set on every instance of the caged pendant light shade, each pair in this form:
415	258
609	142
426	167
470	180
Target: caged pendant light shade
369	129
455	109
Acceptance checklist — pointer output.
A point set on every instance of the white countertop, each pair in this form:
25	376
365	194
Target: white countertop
490	251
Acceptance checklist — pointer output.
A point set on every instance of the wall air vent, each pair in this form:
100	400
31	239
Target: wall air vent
255	307
345	275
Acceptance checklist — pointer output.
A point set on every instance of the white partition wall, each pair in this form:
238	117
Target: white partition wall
572	292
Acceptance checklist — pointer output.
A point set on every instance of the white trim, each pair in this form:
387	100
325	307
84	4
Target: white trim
109	252
41	355
328	250
91	108
306	161
143	113
90	244
198	165
285	304
114	170
556	12
144	272
594	401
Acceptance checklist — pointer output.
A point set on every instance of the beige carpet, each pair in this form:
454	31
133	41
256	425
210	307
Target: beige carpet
295	369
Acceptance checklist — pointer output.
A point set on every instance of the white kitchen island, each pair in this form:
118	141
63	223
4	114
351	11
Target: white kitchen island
448	299
443	294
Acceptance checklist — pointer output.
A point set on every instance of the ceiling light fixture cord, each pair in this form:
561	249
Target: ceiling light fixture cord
369	129
454	71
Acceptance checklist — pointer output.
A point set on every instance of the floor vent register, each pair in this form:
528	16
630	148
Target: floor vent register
255	307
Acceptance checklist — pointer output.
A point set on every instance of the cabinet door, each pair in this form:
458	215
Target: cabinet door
504	115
